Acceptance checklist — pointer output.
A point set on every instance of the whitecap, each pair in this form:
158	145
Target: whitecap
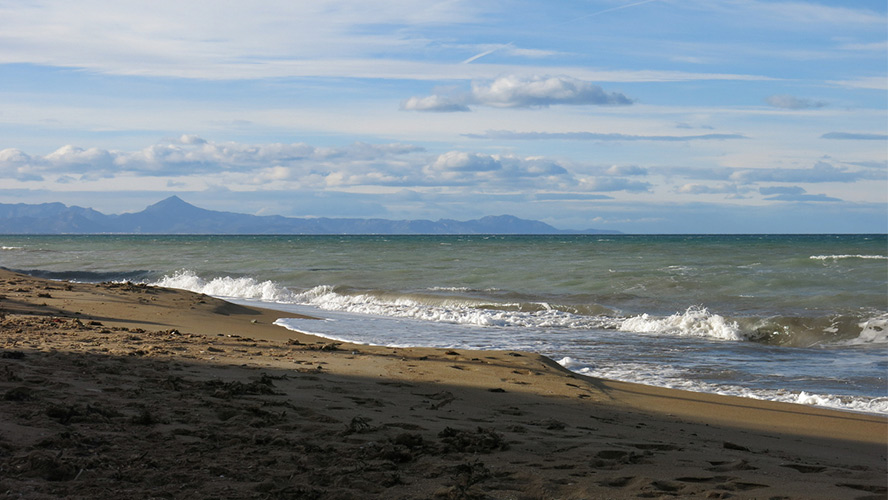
226	286
848	256
696	321
872	331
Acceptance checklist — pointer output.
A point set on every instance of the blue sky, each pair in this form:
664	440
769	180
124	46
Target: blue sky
657	116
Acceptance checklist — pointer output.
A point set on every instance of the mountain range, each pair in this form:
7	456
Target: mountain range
175	216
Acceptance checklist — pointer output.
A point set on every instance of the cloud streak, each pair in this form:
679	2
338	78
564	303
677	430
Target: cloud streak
791	102
794	194
592	136
852	136
613	9
819	173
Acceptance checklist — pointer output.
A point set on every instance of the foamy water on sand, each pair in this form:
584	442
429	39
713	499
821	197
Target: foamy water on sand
802	319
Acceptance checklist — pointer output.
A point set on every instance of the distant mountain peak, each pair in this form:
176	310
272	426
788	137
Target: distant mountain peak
171	202
174	207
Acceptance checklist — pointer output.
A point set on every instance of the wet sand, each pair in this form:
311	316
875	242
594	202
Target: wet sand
127	391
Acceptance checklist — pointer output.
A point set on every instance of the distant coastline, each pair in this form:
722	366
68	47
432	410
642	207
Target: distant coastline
175	216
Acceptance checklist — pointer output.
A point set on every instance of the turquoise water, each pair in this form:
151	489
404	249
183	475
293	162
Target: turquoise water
756	316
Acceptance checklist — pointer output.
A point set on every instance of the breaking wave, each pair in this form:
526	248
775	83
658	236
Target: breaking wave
696	321
227	287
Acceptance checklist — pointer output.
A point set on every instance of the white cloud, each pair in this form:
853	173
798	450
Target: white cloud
458	161
514	91
191	139
72	155
620	170
194	163
820	172
201	39
16	164
494	172
12	156
435	103
101	33
541	91
276	165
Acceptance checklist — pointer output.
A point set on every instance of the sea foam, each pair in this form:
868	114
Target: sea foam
873	331
696	321
848	256
665	376
228	287
442	310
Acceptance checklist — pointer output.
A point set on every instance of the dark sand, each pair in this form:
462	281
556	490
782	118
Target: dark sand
123	391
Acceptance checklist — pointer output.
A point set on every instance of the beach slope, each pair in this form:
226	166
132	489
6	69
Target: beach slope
128	391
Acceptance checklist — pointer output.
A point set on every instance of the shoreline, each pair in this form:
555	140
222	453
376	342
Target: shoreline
98	374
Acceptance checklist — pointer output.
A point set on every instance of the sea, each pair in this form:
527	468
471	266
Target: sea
793	318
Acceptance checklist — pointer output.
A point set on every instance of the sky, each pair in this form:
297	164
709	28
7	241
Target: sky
651	116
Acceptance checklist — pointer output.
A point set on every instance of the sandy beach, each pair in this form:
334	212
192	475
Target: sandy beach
128	391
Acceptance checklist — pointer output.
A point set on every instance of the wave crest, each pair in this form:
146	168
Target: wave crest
848	256
696	321
240	288
873	331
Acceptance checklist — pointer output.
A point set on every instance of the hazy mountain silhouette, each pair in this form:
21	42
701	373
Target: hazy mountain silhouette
175	216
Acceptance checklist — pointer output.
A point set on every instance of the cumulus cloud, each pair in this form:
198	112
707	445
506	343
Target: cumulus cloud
199	161
75	157
458	161
191	139
71	159
436	103
541	91
592	136
520	92
495	172
18	165
621	170
11	156
193	155
792	102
